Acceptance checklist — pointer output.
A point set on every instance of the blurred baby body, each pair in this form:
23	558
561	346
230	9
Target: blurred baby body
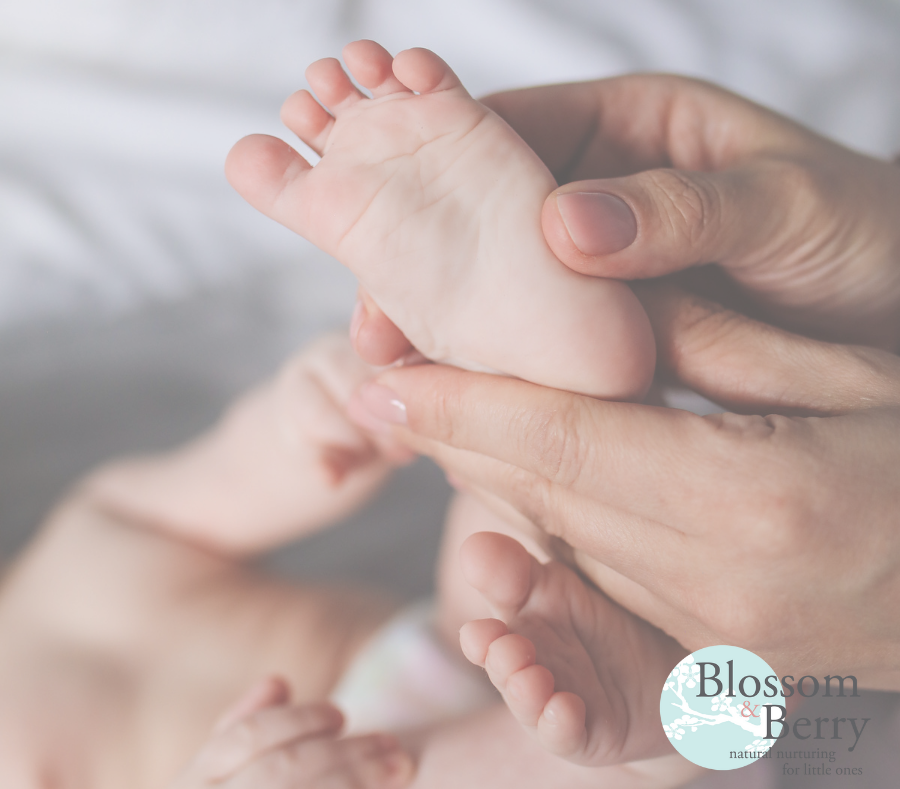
133	620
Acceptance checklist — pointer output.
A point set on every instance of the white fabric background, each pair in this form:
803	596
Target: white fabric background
116	115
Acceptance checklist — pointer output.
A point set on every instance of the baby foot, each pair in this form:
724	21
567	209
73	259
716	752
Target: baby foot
435	203
581	672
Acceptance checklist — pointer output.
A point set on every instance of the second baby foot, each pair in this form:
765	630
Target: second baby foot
577	669
434	202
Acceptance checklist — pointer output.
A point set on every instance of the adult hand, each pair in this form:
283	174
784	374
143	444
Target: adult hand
682	174
778	533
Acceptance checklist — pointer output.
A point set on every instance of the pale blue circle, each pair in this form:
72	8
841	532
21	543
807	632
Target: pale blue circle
717	731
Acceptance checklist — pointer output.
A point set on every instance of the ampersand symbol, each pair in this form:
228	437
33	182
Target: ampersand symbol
747	708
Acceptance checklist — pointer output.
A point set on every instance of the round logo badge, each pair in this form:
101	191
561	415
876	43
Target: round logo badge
720	707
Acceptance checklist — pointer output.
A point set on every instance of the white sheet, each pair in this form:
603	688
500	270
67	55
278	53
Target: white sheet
116	115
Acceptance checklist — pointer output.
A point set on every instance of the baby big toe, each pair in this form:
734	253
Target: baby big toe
262	169
500	568
308	119
372	67
561	728
424	72
332	85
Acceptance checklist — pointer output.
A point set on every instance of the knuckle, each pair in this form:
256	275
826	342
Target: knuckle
447	402
530	494
775	513
688	204
811	198
804	184
553	439
786	513
739	432
784	523
536	500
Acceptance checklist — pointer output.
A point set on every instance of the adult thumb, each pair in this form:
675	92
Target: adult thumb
660	221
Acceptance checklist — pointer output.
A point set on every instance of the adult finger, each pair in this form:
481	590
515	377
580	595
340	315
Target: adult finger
641	548
752	367
634	458
623	125
690	173
653	462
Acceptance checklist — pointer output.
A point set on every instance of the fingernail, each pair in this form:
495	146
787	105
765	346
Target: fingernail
598	223
383	403
356	321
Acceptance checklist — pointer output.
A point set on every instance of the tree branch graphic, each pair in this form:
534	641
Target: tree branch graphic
686	674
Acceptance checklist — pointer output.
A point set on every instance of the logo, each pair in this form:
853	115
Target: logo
718	707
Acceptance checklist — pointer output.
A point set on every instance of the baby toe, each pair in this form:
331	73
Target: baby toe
308	119
424	72
527	693
372	67
331	84
561	727
507	655
262	169
475	638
